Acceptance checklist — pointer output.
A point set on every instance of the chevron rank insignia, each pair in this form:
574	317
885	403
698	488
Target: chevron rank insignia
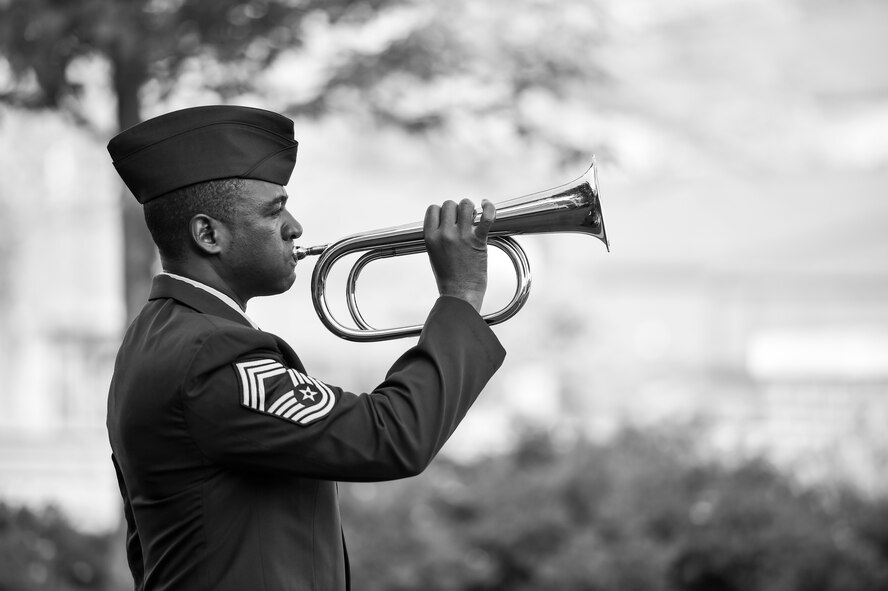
270	388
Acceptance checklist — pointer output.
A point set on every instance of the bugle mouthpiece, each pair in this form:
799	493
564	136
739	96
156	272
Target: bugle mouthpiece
304	251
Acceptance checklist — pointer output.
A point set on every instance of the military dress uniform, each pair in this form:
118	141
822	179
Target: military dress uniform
227	451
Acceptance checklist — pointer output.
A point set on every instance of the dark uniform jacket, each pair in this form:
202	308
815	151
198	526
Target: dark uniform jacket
227	452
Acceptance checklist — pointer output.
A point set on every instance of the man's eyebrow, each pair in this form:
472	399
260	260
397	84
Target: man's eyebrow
279	200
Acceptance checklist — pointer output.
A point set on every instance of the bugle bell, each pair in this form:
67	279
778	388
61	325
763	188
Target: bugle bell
572	207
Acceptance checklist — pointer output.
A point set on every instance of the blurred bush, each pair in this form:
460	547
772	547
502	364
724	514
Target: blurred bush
645	511
39	550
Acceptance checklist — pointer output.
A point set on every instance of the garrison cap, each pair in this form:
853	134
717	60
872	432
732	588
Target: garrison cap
204	144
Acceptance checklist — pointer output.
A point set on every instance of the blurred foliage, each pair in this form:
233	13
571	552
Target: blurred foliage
149	40
415	65
644	511
146	41
410	64
493	62
41	551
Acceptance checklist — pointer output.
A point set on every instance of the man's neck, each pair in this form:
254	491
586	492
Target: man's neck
215	293
207	276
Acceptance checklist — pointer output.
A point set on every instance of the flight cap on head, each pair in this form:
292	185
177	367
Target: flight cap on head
204	144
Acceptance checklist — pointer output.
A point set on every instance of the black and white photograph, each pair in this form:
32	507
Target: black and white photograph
394	295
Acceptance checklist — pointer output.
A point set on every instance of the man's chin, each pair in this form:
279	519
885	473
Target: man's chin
279	287
287	283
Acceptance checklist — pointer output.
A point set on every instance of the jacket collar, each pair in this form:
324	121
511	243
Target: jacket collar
165	286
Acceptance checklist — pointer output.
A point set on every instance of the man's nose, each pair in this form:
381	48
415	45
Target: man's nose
292	229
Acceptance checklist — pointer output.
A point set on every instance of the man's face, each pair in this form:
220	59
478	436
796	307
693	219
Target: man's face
258	259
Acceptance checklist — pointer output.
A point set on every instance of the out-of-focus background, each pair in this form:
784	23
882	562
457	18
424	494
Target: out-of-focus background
703	408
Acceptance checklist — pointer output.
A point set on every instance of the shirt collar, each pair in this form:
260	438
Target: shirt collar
215	292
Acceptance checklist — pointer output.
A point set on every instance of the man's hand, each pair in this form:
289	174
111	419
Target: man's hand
458	248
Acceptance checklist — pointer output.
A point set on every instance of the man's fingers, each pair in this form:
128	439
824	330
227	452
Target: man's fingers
457	250
448	214
488	216
461	216
432	219
465	214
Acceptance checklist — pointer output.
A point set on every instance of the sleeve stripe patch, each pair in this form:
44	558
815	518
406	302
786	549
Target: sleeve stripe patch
309	401
283	400
288	413
253	375
291	406
322	408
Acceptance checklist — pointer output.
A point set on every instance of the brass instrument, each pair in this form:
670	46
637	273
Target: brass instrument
572	207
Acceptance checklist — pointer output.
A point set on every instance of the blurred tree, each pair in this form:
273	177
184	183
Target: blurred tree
415	65
646	511
40	550
507	65
142	41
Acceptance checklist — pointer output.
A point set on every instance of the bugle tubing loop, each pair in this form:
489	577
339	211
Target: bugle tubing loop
573	207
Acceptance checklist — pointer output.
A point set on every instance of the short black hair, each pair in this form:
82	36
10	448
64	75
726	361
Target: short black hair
168	216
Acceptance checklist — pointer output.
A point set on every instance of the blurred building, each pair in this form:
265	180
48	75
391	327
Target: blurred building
61	315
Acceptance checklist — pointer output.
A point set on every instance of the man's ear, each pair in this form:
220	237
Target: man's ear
208	235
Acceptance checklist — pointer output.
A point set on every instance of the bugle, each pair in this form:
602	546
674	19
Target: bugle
572	207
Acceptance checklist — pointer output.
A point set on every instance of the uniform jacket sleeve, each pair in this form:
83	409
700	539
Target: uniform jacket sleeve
249	405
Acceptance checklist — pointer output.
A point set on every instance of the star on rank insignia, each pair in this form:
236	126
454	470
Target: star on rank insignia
268	387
